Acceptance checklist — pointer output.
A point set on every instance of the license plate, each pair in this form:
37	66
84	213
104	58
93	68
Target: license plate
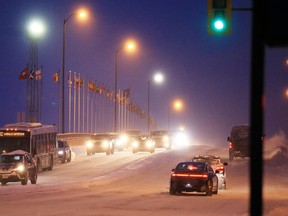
5	176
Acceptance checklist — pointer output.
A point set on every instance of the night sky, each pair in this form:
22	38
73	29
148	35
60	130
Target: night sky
211	74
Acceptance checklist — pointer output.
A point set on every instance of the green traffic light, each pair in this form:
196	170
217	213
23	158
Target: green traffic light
219	25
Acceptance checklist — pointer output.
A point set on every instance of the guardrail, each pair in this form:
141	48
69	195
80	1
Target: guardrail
74	138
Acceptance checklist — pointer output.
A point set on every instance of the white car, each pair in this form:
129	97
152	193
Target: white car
217	165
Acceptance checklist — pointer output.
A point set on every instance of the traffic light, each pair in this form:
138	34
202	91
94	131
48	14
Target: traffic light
219	17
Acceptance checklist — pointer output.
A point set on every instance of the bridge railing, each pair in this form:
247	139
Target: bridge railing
74	138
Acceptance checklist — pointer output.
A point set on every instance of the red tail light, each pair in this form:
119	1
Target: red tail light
189	175
230	145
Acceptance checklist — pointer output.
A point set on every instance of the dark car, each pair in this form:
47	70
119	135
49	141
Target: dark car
17	166
64	151
193	177
143	143
102	142
217	165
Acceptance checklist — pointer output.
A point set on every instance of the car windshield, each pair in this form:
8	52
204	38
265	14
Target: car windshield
61	144
11	158
208	160
193	167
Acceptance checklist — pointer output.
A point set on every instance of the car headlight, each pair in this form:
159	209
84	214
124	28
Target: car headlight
149	144
60	152
105	143
135	144
165	139
123	138
89	144
20	168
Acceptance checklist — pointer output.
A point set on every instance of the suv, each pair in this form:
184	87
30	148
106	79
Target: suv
17	166
162	138
217	165
143	143
239	142
64	151
102	142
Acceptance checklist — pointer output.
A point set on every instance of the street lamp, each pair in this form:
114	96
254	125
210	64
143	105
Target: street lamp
129	46
157	78
81	15
176	105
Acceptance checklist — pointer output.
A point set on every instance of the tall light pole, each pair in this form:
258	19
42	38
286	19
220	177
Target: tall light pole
36	30
176	105
157	78
129	46
81	14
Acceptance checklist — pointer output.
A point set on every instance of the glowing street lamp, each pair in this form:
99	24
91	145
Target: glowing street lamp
129	46
157	78
36	29
177	105
81	14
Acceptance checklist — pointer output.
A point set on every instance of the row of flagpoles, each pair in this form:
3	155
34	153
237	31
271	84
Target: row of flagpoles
91	105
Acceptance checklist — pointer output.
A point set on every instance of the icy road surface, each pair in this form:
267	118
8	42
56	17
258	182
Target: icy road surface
127	184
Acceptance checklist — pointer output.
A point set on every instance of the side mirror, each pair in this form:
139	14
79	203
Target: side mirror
173	170
228	139
225	164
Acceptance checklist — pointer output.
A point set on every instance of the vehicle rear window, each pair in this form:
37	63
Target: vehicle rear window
193	167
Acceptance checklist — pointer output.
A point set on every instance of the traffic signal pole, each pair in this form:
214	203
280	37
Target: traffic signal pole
256	109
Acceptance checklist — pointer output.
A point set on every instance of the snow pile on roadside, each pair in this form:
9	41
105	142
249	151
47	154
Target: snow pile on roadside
276	150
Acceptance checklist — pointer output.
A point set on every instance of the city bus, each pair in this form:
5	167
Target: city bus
35	138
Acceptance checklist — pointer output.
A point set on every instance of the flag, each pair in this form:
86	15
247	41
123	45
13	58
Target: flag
31	74
55	77
38	74
79	82
126	93
23	74
91	86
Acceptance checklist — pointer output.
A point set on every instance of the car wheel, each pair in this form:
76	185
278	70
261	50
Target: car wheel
51	164
209	188
231	156
34	178
172	190
25	180
69	158
3	182
39	167
64	159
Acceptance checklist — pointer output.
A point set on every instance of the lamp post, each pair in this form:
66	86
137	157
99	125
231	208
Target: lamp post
36	30
157	78
81	14
129	46
176	105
